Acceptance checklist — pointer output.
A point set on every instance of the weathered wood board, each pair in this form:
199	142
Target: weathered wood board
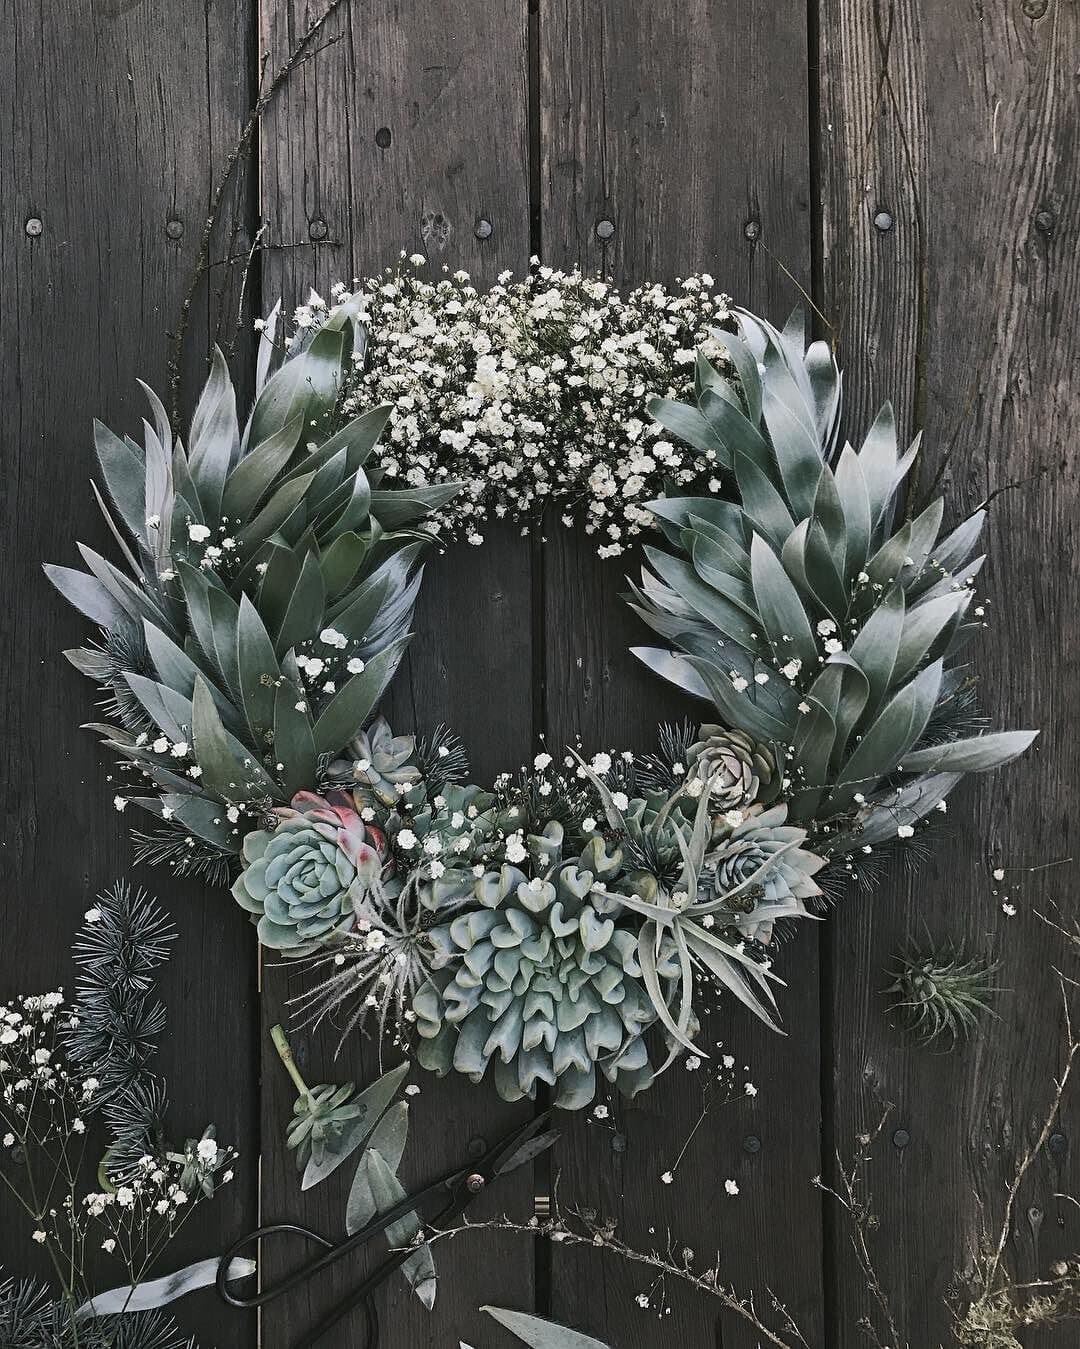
910	166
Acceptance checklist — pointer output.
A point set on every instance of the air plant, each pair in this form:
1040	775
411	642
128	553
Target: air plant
942	994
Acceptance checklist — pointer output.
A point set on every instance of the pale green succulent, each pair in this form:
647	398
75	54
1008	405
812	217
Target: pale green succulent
542	983
738	771
801	608
271	590
380	762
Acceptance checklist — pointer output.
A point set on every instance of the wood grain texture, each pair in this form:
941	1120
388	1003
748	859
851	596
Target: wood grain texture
109	133
405	129
651	119
960	122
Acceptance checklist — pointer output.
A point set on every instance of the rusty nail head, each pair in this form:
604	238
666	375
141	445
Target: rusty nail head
34	226
475	1183
317	228
751	1144
901	1138
1058	1144
477	1147
883	221
483	229
1044	221
752	229
605	229
174	228
618	1142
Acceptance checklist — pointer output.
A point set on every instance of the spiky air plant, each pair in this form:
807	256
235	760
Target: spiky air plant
265	591
941	995
802	608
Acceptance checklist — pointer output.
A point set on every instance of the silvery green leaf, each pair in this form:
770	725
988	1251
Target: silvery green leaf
855	500
927	627
719	962
258	670
978	754
275	513
795	446
124	471
385	1191
395	510
746	368
758	713
888	739
687	423
877	459
880	819
229	769
214	439
159	1292
293	744
781	610
305	385
728	618
388	1140
267	348
302	617
89	596
540	1334
253	476
875	646
347	710
373	1100
763	505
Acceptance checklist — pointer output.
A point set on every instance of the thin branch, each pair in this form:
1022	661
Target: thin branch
299	54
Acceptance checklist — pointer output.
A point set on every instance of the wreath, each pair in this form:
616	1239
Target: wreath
547	926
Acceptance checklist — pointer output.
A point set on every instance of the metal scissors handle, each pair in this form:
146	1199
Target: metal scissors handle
462	1186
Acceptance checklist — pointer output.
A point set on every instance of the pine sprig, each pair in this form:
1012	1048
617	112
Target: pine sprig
184	854
119	1017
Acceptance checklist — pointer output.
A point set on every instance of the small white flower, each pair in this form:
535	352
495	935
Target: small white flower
728	1060
749	1088
9	1140
406	838
541	762
160	745
667	1178
642	1300
739	684
92	915
620	799
355	666
600	1112
78	1125
39	1236
179	749
1009	910
999	873
601	764
125	1196
826	627
120	803
905	830
109	1245
588	824
207	1150
412	1089
731	1187
198	533
761	677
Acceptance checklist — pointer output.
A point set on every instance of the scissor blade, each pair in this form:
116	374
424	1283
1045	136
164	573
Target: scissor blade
528	1151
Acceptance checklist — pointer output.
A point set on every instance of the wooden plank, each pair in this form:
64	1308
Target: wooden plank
400	135
684	126
951	265
109	135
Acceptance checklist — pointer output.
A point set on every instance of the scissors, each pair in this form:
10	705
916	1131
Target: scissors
462	1186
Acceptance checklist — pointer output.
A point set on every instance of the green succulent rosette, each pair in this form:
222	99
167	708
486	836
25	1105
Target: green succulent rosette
305	880
540	982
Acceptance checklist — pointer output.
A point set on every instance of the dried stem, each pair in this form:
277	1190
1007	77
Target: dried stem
202	259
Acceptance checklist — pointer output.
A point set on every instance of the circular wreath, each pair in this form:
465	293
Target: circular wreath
566	921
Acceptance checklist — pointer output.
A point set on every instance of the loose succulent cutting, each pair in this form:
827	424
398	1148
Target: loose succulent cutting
801	608
269	589
942	995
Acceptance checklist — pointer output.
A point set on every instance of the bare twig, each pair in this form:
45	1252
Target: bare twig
299	54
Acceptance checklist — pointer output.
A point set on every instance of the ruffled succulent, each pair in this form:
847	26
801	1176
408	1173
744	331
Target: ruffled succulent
736	768
542	982
304	880
380	761
763	846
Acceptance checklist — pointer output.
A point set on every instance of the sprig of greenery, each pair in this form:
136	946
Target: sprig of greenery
941	995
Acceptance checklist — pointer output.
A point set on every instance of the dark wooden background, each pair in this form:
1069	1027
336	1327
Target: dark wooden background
913	167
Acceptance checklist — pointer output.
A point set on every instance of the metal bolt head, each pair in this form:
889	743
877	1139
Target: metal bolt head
605	229
883	221
34	226
752	229
174	228
618	1142
475	1183
901	1138
483	229
751	1144
477	1147
1058	1145
317	228
1044	221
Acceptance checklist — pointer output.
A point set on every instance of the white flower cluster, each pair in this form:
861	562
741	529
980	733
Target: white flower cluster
531	393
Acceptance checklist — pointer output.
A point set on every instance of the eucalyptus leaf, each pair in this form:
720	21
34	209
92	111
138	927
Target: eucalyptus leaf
373	1101
541	1334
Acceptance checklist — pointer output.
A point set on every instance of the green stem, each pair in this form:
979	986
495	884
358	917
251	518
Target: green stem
285	1054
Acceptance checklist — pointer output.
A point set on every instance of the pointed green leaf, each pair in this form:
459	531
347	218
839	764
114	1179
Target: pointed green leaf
303	617
294	748
781	609
253	476
229	769
346	712
978	754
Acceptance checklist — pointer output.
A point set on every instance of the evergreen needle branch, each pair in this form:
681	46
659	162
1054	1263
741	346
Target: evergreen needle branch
298	54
